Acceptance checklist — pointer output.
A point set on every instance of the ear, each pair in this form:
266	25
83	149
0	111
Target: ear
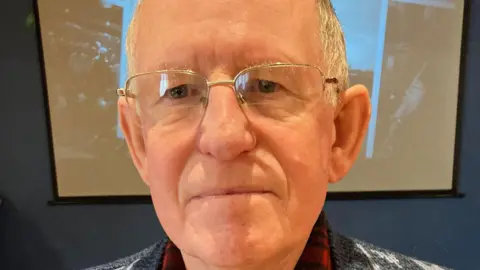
352	116
131	127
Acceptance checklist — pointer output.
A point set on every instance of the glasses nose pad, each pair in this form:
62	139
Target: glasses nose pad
240	98
204	101
205	95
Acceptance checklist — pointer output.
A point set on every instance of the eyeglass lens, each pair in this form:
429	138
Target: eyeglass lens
270	91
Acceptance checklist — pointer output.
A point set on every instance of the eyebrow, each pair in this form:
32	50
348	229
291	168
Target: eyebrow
260	62
172	66
236	67
271	55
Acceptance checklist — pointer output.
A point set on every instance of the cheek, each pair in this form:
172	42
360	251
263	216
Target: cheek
167	152
303	150
307	166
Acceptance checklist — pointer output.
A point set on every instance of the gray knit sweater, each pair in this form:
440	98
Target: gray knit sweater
347	254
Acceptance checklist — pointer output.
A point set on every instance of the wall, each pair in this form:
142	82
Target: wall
34	235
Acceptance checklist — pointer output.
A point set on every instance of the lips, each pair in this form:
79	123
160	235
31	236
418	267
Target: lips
231	192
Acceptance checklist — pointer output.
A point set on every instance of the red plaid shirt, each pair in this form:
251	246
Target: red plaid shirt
315	256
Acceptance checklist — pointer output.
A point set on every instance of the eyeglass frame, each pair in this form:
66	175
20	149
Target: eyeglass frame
123	92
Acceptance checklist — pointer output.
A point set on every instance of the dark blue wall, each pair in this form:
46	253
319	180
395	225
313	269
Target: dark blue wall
36	236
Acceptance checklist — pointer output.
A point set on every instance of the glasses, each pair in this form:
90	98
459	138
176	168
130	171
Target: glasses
276	91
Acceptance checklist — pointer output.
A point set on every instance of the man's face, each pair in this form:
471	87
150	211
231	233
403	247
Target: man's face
233	187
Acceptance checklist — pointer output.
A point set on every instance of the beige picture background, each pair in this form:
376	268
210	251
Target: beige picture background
415	151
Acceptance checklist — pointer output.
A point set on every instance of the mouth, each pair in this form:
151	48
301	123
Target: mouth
231	192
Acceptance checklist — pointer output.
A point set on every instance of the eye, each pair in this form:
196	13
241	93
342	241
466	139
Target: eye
265	86
178	92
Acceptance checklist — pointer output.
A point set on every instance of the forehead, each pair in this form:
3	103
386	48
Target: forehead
204	34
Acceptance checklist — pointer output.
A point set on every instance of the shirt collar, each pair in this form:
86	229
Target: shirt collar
316	255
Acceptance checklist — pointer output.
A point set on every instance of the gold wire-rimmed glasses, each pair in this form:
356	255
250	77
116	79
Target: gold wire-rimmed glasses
273	90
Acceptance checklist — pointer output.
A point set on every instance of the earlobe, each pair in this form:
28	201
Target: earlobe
351	123
131	128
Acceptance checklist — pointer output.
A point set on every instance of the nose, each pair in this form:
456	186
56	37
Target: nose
224	132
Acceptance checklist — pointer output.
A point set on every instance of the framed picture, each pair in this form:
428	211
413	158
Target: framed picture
414	79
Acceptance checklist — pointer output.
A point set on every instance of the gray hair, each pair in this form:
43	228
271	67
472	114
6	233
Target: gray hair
333	48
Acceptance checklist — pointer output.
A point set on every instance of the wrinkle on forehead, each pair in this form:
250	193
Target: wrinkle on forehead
181	32
209	52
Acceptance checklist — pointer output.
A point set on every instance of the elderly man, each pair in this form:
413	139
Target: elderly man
237	116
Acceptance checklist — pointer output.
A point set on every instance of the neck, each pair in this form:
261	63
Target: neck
282	261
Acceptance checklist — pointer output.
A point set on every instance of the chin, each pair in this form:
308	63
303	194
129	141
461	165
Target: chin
228	233
236	246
